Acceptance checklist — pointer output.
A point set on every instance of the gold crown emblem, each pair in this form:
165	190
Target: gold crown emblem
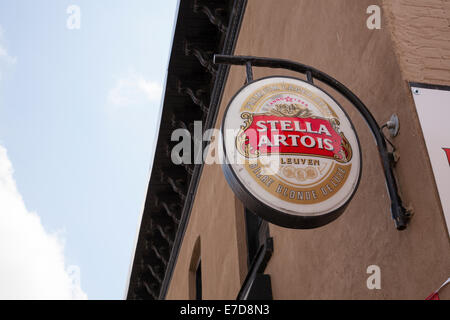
291	110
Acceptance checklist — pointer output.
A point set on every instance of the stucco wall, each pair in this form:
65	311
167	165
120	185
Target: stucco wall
215	220
421	32
330	262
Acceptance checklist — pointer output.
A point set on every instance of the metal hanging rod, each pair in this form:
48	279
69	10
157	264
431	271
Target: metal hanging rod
400	215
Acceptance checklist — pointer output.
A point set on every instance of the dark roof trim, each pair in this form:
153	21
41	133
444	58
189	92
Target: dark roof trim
236	18
193	90
127	287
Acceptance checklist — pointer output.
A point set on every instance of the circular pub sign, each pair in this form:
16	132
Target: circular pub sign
291	153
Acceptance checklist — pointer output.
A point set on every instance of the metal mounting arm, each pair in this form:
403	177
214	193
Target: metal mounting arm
400	215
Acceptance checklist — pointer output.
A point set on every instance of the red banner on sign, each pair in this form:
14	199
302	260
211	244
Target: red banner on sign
447	152
269	134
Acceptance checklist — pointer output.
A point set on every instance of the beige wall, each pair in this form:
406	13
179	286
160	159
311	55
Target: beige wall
215	221
421	31
330	262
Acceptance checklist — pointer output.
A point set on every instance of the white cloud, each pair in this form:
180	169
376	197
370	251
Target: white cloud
134	89
5	58
31	260
4	55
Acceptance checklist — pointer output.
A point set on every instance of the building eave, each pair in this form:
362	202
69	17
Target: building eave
193	91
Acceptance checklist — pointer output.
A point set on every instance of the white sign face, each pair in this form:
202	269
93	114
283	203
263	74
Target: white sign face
433	108
292	155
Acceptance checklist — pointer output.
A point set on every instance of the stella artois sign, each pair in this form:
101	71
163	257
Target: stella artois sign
291	153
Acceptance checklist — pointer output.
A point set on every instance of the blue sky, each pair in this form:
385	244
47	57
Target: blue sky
78	117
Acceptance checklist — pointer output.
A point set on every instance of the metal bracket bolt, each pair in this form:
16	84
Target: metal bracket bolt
393	125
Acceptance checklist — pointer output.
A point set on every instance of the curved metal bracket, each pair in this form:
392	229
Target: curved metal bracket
400	215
